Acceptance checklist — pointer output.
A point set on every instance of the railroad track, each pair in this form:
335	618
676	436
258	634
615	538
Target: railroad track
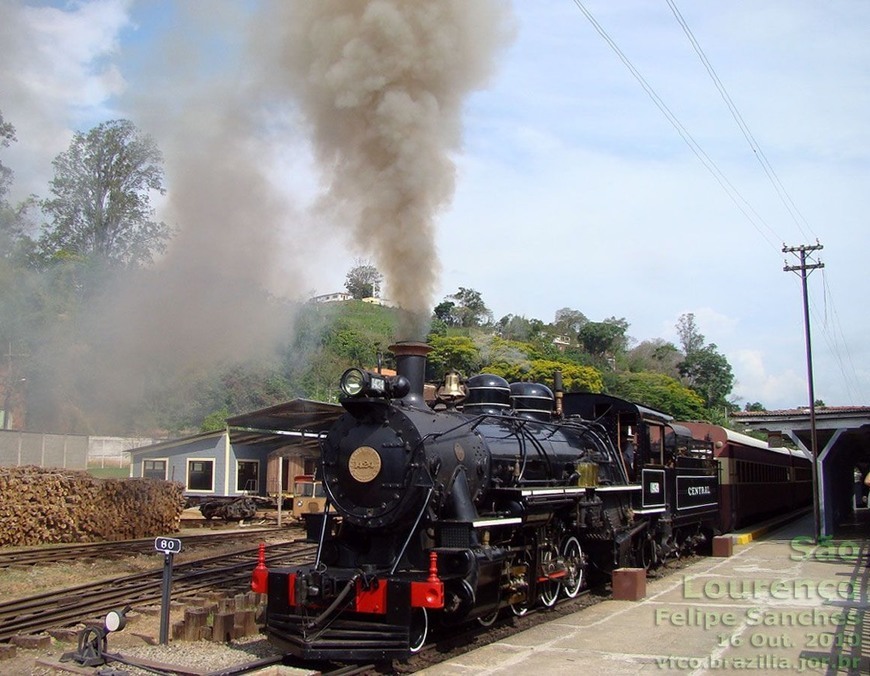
73	604
118	549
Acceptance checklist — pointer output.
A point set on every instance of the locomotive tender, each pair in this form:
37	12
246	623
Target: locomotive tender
438	517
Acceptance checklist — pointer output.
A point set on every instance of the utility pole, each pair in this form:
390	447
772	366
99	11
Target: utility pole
9	385
804	269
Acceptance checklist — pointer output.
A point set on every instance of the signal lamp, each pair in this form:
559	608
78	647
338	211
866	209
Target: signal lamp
116	620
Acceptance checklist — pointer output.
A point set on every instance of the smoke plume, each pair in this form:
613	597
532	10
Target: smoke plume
382	84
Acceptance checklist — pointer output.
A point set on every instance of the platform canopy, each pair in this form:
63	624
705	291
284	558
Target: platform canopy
299	420
843	443
846	426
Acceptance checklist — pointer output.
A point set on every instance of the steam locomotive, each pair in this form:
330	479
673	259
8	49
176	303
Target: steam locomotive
501	497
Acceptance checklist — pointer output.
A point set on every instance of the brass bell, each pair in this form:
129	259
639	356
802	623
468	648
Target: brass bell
452	390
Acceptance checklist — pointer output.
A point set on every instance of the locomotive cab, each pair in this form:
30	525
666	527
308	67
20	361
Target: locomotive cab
677	475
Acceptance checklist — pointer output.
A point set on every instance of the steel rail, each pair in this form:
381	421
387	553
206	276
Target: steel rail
72	604
119	548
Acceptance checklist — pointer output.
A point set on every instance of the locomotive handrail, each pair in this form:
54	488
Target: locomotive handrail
322	533
413	530
494	523
539	448
472	424
521	440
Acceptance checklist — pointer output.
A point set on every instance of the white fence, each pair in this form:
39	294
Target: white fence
70	451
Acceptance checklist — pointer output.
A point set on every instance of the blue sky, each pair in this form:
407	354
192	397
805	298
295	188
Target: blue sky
572	188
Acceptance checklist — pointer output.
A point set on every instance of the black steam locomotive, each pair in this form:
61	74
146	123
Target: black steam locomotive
506	497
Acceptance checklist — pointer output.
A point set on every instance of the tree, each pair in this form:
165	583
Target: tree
215	421
353	345
575	378
656	355
14	220
691	338
470	309
568	322
363	280
503	355
453	352
7	136
445	312
602	338
703	369
516	327
709	374
661	392
754	407
101	205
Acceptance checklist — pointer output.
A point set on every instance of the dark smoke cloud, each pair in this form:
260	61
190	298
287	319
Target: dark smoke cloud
381	85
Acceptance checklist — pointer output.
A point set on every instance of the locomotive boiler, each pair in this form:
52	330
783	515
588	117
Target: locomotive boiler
495	500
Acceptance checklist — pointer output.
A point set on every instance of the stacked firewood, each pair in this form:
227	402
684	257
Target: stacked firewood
39	505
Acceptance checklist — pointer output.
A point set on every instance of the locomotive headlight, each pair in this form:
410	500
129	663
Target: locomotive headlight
358	383
353	382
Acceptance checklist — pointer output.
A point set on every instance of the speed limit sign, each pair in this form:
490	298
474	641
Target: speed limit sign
167	545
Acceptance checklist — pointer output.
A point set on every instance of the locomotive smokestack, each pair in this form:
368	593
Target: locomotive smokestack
411	363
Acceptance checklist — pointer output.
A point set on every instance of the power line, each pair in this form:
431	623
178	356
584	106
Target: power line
714	170
786	199
733	193
831	338
832	330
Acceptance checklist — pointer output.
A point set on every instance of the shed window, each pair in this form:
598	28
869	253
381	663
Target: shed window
154	469
200	475
248	475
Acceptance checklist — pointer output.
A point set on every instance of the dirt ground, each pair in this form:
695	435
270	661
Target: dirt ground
140	638
142	632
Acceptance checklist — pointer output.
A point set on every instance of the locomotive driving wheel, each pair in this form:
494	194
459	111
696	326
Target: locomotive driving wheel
549	588
489	620
645	552
576	565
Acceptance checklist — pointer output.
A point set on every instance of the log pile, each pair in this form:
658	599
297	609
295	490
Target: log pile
39	505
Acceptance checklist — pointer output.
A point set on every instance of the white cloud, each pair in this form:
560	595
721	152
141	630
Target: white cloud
68	48
783	389
57	78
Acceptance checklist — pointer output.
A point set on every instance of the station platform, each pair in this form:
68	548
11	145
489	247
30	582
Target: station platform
778	605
